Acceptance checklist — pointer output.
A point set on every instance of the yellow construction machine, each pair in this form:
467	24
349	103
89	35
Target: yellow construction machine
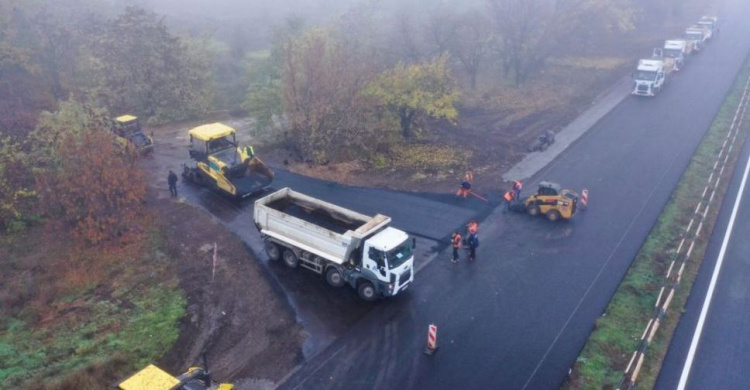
129	132
154	378
552	201
223	165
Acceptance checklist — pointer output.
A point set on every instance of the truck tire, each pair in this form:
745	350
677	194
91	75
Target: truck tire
366	291
273	250
533	210
334	277
553	215
290	259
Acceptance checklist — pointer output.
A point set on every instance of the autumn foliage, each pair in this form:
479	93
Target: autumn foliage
97	190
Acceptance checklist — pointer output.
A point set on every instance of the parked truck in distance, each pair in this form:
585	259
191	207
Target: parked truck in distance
343	245
698	35
651	74
710	23
677	50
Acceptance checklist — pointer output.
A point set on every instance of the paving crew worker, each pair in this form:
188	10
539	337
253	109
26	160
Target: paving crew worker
517	187
172	180
472	227
456	241
465	187
473	244
507	199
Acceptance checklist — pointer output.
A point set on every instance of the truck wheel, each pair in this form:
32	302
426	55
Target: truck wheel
553	215
366	291
334	277
274	253
533	210
290	259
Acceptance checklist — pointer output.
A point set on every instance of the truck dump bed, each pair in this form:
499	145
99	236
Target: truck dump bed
324	229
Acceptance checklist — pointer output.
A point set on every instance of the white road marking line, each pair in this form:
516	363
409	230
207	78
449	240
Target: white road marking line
712	285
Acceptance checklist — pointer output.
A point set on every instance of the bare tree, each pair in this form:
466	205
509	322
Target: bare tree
471	42
532	30
440	29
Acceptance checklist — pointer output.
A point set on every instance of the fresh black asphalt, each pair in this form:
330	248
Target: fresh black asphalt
519	315
723	353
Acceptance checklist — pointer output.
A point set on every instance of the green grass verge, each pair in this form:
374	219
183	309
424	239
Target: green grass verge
135	321
616	335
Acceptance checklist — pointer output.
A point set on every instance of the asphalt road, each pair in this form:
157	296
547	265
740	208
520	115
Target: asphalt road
519	315
723	347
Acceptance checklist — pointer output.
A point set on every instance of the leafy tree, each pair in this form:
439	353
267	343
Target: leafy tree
328	115
415	92
17	194
143	68
87	183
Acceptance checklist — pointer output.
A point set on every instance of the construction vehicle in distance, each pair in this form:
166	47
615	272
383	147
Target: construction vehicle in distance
699	35
154	378
710	23
651	75
542	142
128	130
343	245
552	201
677	50
223	165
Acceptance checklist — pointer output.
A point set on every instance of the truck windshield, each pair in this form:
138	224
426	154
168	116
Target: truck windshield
644	75
399	254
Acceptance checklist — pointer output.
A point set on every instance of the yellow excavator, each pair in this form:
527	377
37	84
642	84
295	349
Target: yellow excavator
552	201
223	165
129	132
154	378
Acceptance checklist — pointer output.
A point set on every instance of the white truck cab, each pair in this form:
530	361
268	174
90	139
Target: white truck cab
699	35
649	77
710	23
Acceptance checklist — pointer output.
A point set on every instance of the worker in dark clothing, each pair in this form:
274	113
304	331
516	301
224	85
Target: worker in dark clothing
172	180
473	244
507	199
456	241
517	187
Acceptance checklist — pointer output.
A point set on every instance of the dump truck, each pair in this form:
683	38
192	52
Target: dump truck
651	74
128	130
699	35
154	378
710	23
677	50
223	165
552	201
342	245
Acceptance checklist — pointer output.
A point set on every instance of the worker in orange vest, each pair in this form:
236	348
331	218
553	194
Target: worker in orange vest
507	199
465	187
456	241
517	187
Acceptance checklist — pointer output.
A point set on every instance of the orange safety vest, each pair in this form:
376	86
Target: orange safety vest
517	185
456	240
509	196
